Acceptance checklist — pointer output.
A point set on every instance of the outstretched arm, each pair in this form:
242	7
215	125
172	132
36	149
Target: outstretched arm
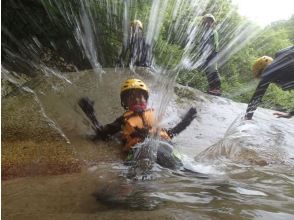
102	132
184	123
256	99
87	105
110	129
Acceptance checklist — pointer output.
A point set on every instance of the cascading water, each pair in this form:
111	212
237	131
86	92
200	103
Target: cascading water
232	168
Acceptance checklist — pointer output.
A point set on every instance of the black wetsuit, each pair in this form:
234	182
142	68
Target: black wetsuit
165	156
139	51
107	130
280	72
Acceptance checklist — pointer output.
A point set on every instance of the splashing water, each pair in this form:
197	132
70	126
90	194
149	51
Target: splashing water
244	164
244	142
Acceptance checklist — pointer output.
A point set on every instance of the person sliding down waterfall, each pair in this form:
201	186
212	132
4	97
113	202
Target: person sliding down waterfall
279	71
137	52
138	123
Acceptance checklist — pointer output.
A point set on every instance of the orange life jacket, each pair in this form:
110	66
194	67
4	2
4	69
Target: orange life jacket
134	120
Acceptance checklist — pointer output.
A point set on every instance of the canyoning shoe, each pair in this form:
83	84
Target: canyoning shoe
216	92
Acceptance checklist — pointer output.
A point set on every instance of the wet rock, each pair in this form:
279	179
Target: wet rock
52	60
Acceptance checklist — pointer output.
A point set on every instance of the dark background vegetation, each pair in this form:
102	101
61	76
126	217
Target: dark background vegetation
31	28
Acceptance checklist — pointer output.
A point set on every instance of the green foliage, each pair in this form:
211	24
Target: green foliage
270	40
236	74
52	22
167	54
184	93
195	79
276	98
287	26
238	80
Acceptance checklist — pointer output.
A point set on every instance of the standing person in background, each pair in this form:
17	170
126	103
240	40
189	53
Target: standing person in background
279	71
137	52
209	46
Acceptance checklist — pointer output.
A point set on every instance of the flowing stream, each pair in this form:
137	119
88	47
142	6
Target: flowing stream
242	169
51	167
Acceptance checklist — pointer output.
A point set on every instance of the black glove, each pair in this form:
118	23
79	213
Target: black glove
190	115
87	106
186	121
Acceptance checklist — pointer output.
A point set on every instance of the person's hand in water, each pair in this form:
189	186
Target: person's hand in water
282	115
248	116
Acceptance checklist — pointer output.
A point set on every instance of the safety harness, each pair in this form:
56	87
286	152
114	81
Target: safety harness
139	125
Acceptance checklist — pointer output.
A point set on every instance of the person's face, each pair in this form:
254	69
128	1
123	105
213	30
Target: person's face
208	23
136	98
136	28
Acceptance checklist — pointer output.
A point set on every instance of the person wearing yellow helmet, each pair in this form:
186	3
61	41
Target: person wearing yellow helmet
208	18
136	24
260	64
208	47
138	122
279	71
134	95
137	52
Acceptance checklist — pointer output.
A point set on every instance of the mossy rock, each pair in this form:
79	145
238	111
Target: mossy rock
31	158
184	93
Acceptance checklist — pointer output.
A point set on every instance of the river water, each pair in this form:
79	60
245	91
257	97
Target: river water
242	169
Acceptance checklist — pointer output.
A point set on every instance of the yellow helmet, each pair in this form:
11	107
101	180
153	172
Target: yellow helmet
136	23
260	64
208	16
129	85
133	84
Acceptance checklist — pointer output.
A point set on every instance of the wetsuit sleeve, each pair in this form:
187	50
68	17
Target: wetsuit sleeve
256	99
284	51
110	129
125	49
216	41
122	55
182	125
280	72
